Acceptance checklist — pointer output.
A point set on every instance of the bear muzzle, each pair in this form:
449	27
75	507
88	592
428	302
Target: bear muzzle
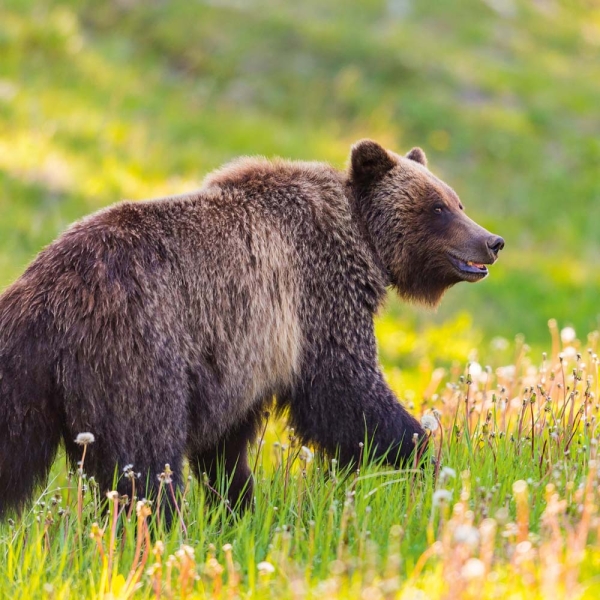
481	249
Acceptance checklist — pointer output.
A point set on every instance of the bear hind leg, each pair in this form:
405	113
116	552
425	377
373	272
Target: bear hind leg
225	467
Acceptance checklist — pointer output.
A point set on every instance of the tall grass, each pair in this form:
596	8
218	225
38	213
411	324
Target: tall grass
506	505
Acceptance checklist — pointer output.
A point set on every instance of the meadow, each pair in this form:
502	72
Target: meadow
506	504
101	101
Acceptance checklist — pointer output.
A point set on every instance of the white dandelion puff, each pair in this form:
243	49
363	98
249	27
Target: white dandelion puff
85	438
429	423
500	343
265	568
475	371
306	454
441	497
465	534
567	335
473	569
447	472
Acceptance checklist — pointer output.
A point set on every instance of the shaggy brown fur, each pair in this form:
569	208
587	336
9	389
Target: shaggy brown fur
164	327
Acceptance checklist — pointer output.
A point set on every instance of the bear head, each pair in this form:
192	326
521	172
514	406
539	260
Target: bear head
416	223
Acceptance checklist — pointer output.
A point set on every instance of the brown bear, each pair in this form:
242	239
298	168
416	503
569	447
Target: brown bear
165	327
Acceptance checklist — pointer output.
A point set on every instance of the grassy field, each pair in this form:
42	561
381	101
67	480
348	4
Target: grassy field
101	101
507	505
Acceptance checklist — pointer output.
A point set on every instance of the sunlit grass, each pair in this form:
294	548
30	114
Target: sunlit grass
507	503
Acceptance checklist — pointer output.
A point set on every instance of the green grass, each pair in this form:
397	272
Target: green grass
510	510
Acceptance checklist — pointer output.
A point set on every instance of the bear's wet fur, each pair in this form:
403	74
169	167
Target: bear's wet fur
165	327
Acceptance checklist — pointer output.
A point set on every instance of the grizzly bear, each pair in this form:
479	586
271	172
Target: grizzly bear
165	327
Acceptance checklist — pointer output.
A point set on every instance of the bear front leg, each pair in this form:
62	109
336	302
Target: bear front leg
343	400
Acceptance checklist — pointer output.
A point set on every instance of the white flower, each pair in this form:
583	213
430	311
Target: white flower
500	343
519	487
473	569
441	497
83	439
465	534
568	335
448	472
507	372
265	568
306	454
475	371
185	552
429	423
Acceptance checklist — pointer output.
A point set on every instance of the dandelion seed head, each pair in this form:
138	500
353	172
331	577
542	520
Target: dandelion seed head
465	534
567	335
429	423
499	343
265	568
473	569
85	438
306	454
475	370
441	497
448	472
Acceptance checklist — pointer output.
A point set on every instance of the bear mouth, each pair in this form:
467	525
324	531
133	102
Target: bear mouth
469	270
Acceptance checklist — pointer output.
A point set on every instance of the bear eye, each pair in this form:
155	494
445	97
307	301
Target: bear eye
438	209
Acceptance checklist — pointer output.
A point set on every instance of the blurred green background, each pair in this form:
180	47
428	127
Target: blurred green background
104	100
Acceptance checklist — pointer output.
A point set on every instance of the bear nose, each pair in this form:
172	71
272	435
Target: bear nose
495	244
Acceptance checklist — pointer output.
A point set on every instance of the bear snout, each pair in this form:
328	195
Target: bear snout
495	243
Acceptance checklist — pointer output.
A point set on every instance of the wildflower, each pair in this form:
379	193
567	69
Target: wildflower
465	534
475	370
568	335
265	568
429	423
306	454
142	509
185	552
159	548
507	372
448	472
441	497
166	476
83	439
520	487
473	569
96	533
112	495
500	343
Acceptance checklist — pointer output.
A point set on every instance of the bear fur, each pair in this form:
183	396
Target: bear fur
165	327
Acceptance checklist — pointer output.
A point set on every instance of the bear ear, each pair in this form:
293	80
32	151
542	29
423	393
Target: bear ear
417	155
369	161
